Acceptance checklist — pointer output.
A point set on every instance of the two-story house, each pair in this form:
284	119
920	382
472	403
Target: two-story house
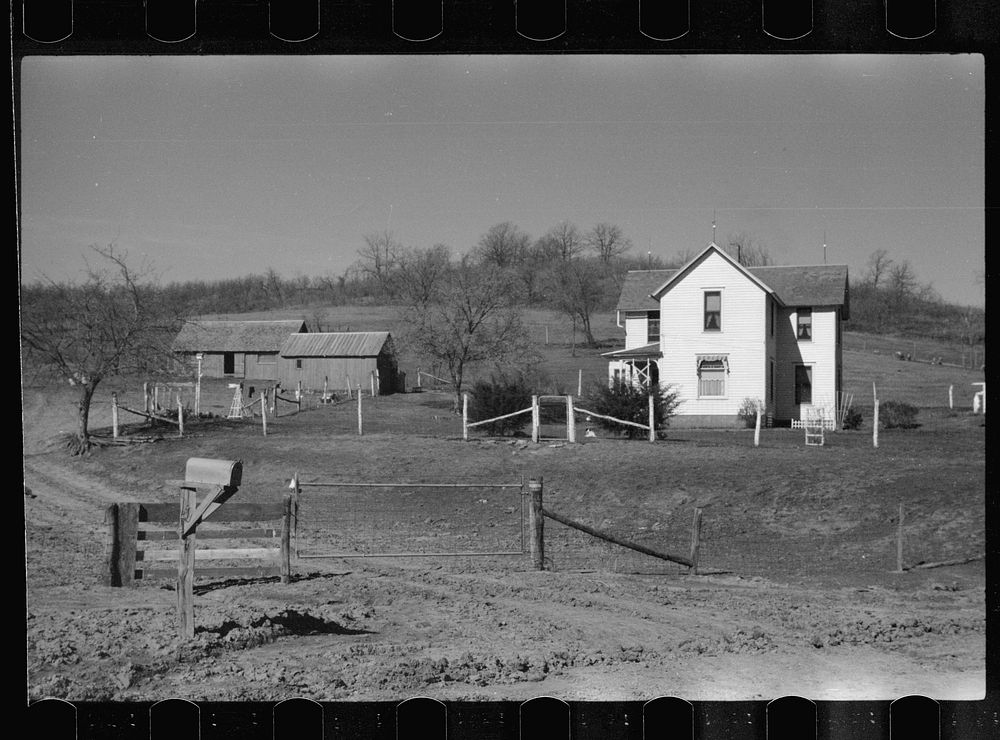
719	333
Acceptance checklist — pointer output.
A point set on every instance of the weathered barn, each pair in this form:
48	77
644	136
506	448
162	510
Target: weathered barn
235	349
340	359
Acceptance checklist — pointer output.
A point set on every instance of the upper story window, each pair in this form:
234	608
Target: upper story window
804	327
653	326
713	310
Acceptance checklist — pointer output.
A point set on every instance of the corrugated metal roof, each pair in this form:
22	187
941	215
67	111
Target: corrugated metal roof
335	344
235	336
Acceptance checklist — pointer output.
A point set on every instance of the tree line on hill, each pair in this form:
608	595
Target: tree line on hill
456	310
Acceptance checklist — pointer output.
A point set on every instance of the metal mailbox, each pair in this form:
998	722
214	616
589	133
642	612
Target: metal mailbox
207	471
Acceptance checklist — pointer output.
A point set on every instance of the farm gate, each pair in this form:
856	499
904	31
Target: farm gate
356	519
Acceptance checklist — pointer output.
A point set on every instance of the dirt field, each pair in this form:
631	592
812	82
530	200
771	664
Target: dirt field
796	595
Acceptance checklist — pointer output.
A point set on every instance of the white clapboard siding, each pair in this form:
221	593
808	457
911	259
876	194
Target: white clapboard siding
820	353
743	335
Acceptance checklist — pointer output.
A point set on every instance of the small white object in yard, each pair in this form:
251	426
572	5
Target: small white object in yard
589	433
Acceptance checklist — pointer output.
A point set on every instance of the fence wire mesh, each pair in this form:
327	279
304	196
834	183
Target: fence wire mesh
358	520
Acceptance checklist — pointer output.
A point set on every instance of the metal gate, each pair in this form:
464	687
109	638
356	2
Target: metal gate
354	519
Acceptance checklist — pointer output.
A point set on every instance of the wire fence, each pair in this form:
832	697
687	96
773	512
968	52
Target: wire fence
347	519
918	350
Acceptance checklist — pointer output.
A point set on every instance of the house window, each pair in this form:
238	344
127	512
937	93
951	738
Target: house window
228	363
805	324
298	364
653	326
713	310
803	384
711	379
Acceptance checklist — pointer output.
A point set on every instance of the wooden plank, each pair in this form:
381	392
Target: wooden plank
128	524
185	569
212	553
160	535
112	576
231	512
617	541
214	572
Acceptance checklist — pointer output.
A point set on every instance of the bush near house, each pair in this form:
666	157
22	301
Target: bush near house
631	403
498	396
898	415
748	411
852	419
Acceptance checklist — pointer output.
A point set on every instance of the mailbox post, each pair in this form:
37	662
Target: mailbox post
218	480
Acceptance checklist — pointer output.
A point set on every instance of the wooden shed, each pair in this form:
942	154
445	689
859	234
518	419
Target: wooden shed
339	359
235	349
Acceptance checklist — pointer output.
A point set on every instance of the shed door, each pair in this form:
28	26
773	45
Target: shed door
228	363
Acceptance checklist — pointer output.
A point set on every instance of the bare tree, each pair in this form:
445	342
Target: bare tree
746	249
878	267
561	242
579	289
608	241
379	257
503	245
421	274
111	324
471	317
902	282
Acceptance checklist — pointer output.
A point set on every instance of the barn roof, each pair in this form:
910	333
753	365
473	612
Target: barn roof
235	336
335	344
801	285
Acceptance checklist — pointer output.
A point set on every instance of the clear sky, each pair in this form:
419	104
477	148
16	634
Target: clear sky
222	166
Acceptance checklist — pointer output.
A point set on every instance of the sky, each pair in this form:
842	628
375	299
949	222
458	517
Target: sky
211	167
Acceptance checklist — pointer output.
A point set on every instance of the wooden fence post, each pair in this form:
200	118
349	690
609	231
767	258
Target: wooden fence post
112	574
756	429
899	540
951	396
296	491
465	417
360	426
536	523
570	420
114	415
145	397
875	426
579	382
180	418
263	413
652	419
185	567
197	389
286	543
535	419
418	378
156	397
695	539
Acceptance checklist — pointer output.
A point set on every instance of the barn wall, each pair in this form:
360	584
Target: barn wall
337	369
261	366
742	338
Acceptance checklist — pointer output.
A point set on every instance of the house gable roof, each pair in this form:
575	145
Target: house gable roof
796	285
335	344
235	336
700	257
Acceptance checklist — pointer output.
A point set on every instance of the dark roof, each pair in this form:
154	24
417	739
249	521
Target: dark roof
646	350
802	285
807	285
235	336
335	344
637	287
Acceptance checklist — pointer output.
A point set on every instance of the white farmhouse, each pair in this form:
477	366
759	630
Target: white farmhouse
720	333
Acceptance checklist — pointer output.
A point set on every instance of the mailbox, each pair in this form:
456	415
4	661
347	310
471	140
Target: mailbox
206	471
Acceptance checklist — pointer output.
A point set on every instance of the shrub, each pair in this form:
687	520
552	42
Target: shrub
498	396
748	411
631	403
852	419
898	415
